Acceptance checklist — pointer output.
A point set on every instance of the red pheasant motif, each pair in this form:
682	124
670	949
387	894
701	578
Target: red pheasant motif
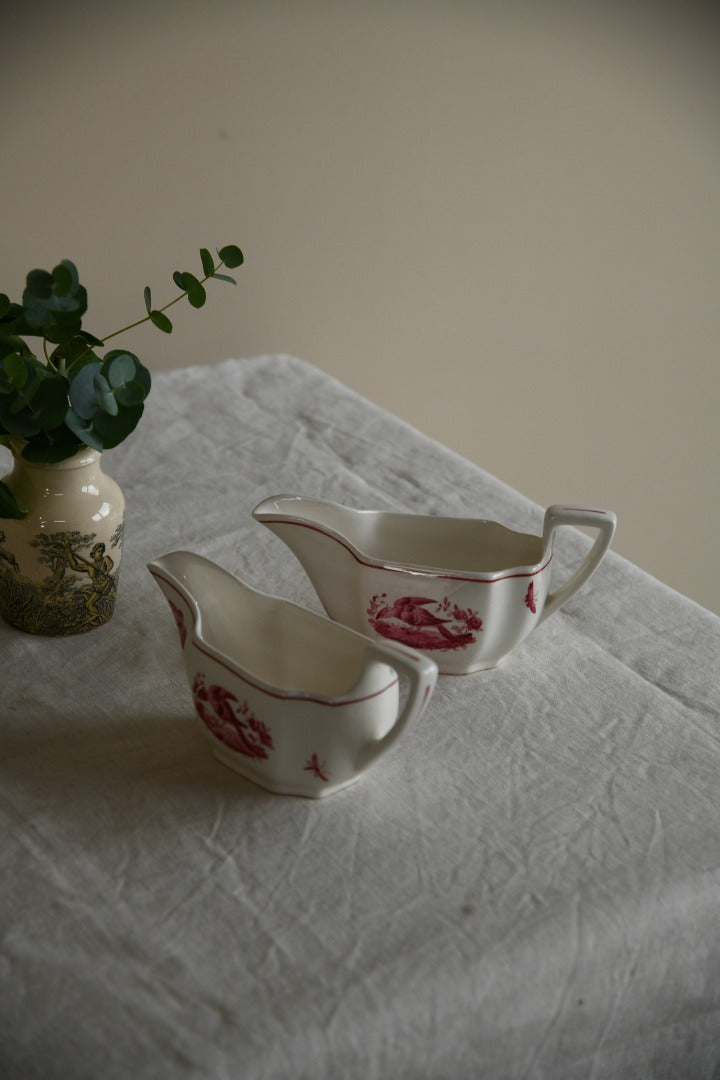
229	721
423	623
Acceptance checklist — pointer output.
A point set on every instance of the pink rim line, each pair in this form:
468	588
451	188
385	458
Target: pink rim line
405	569
282	695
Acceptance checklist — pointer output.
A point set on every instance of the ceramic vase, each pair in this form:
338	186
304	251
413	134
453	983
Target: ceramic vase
59	564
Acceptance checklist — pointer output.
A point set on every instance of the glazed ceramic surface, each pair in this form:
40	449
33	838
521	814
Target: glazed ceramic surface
461	590
59	565
287	698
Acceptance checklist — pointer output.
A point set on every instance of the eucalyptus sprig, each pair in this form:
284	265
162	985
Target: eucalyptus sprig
49	408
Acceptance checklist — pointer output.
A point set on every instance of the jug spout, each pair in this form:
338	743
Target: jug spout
173	575
320	535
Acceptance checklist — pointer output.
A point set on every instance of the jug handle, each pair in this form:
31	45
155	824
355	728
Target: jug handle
422	673
602	520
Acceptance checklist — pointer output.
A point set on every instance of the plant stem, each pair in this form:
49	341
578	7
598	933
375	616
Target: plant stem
139	322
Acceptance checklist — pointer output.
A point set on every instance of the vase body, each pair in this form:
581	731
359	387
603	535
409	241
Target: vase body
59	565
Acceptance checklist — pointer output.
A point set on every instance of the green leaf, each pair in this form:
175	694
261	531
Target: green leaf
112	430
121	369
4	305
161	321
67	267
231	256
178	279
13	322
62	279
39	284
225	277
195	290
131	393
15	370
90	338
188	281
130	381
52	446
84	430
86	391
24	424
9	506
51	401
54	304
40	405
208	263
148	301
197	295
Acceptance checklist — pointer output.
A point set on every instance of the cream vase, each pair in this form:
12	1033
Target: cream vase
59	565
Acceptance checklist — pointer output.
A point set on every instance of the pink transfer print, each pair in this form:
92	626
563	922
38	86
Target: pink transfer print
423	623
229	721
313	765
179	622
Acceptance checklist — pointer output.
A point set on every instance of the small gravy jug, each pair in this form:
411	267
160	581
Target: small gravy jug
463	591
290	700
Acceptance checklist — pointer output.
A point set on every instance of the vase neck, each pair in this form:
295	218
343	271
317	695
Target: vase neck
83	458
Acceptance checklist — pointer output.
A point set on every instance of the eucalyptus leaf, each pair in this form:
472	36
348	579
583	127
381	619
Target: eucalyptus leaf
112	430
51	401
129	379
231	256
90	338
39	284
225	277
85	394
178	279
71	283
132	393
15	370
208	263
23	424
13	322
4	305
195	290
188	281
197	295
121	368
40	406
161	321
108	404
84	430
148	299
62	279
52	446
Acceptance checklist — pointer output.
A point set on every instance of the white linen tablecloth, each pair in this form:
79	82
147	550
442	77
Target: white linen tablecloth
527	886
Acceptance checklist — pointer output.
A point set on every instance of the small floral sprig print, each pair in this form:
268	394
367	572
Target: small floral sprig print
315	766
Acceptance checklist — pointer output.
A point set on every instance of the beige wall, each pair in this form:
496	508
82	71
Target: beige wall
500	221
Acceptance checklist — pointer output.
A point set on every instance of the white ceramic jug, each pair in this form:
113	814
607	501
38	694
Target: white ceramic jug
290	700
463	591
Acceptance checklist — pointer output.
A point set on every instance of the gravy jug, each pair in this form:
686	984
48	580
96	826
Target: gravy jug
287	698
461	590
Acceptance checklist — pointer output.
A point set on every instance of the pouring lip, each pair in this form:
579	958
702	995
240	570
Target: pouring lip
238	670
522	570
